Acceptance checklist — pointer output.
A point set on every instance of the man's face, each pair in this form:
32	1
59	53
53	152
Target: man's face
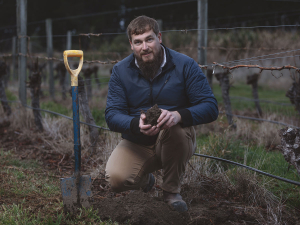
146	46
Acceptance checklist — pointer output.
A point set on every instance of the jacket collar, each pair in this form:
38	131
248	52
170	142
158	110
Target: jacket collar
169	64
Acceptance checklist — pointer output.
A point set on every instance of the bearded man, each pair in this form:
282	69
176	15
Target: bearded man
155	74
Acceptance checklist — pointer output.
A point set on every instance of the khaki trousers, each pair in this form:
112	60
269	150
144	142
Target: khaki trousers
129	165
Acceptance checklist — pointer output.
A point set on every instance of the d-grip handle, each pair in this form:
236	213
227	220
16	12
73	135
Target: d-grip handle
73	73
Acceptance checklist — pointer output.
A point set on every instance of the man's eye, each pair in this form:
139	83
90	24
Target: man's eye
150	39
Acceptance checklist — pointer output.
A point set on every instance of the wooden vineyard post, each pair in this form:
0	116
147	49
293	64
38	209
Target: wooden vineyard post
68	47
87	73
290	146
34	84
22	48
294	92
252	79
223	78
95	70
7	75
4	102
14	57
209	76
86	112
202	31
50	55
61	73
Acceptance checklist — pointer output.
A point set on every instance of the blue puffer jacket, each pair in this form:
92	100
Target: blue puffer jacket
180	87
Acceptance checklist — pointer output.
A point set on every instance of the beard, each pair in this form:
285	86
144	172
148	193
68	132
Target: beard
150	68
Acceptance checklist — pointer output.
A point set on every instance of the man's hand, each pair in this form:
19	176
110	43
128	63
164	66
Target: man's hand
147	129
168	119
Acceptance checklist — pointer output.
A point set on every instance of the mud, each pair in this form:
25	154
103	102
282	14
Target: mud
152	115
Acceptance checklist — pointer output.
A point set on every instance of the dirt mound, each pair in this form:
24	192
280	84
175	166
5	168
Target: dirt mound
139	208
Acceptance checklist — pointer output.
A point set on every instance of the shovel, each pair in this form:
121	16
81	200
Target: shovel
76	190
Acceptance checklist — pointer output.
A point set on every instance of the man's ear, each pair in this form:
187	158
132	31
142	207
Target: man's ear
131	45
159	37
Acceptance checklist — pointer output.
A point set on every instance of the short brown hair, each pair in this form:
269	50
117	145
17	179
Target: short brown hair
142	24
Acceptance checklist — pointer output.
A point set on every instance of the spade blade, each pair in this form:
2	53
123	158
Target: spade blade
76	195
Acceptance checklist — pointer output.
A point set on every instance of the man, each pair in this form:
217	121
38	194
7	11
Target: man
154	74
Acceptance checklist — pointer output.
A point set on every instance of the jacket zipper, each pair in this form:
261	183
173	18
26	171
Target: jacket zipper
162	87
151	99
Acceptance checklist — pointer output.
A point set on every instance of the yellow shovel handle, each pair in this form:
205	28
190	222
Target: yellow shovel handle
73	73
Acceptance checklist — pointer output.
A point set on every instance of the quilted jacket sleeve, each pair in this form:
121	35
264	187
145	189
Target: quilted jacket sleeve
116	113
204	107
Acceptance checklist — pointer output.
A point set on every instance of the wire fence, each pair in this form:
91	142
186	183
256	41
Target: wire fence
195	154
224	65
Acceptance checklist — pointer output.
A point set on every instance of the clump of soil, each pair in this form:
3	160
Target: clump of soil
152	115
138	208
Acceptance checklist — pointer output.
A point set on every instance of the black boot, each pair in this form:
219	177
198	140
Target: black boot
175	201
150	184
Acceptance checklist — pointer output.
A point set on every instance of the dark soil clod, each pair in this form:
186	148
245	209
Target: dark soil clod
152	115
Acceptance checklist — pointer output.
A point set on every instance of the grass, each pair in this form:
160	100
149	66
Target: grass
10	96
243	90
55	107
99	116
230	147
245	152
18	214
31	195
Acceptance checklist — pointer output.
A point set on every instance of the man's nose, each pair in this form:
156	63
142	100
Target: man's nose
145	46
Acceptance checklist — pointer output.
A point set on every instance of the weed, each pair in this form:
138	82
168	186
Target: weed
55	107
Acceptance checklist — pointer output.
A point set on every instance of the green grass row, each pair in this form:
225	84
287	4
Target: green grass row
240	90
265	93
245	152
23	181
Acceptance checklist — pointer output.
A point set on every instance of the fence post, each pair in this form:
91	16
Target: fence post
68	47
209	76
5	105
34	84
202	32
252	79
294	92
86	112
14	51
61	73
22	48
87	73
95	69
50	55
223	78
290	146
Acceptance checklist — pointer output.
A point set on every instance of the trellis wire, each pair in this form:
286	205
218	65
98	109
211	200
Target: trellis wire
259	119
230	62
250	168
196	154
183	31
258	100
255	57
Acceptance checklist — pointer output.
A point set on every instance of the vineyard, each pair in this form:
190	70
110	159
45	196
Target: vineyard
240	173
